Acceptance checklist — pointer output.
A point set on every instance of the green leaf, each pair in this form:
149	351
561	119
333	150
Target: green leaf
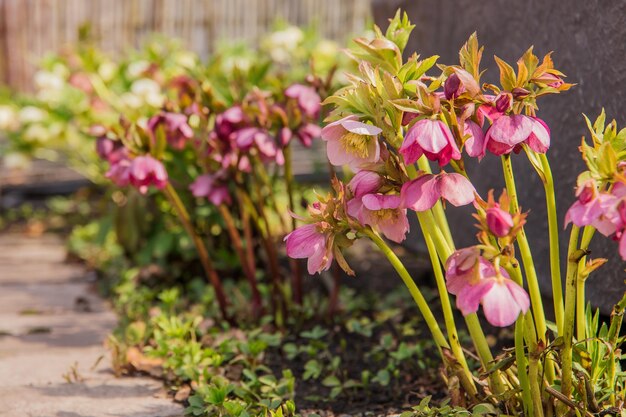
331	381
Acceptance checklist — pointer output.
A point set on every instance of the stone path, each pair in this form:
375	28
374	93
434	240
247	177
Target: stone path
52	328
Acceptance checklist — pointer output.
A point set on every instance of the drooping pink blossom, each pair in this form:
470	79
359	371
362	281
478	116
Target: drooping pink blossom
365	182
589	207
422	193
502	299
381	212
210	186
309	101
462	269
432	138
119	172
146	171
248	137
309	242
499	221
177	130
509	132
229	121
475	143
351	142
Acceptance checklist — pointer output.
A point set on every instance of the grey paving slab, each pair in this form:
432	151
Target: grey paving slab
53	361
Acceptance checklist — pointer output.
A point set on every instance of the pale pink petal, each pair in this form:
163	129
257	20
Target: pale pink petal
510	130
420	194
539	139
396	229
334	131
337	155
468	300
320	260
380	201
302	242
354	207
365	182
475	144
456	189
360	128
500	306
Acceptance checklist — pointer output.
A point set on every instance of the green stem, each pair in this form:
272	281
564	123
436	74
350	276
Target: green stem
585	240
527	257
522	375
553	229
438	211
428	225
570	304
453	336
417	295
203	254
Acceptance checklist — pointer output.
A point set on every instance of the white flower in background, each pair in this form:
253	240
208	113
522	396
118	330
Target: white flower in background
242	63
186	59
131	100
45	80
15	161
137	68
107	70
149	91
281	43
31	114
36	133
8	119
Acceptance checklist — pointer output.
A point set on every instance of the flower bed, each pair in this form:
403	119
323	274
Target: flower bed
201	157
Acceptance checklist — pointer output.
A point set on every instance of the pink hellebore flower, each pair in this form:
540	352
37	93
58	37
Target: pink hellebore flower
229	121
146	171
509	132
499	221
383	213
208	186
308	242
590	207
365	182
503	300
422	193
350	142
268	149
175	126
432	138
308	100
119	172
305	133
462	269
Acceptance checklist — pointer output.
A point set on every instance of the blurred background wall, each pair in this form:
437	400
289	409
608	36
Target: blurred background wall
589	40
31	28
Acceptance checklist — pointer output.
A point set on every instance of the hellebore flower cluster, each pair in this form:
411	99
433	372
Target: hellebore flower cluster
475	281
605	211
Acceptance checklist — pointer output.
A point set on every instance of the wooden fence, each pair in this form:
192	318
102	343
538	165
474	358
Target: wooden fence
31	28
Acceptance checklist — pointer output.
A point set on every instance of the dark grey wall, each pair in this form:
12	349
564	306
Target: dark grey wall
589	40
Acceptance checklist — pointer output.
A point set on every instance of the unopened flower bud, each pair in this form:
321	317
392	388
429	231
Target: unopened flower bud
520	93
452	86
504	102
499	221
